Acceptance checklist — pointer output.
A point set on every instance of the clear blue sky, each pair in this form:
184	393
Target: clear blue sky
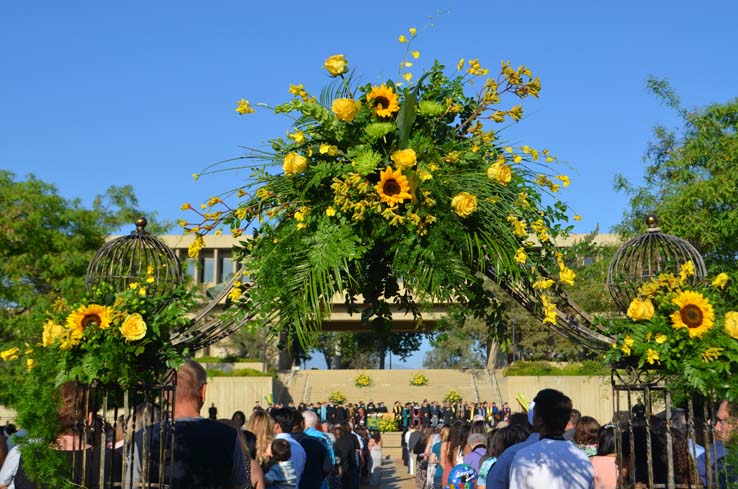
94	94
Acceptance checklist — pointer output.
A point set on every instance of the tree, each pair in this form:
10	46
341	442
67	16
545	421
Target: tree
365	350
690	179
46	244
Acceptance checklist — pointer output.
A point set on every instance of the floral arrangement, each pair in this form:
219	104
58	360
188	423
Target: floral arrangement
394	195
452	396
387	423
337	397
689	333
419	379
363	380
111	337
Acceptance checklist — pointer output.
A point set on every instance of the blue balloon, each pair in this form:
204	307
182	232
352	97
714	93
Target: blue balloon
462	474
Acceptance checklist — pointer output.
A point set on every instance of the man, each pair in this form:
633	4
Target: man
412	437
317	461
213	412
207	454
553	462
283	422
725	426
323	412
572	424
311	429
506	411
447	413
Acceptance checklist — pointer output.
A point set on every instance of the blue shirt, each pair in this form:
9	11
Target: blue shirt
499	475
298	457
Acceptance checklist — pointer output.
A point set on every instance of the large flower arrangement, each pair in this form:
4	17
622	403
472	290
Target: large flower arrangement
395	194
337	397
363	380
688	333
452	396
419	380
112	338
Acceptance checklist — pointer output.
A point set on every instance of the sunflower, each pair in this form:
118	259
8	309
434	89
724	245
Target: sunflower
695	313
86	316
384	100
393	187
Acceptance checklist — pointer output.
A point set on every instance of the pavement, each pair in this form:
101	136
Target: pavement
394	476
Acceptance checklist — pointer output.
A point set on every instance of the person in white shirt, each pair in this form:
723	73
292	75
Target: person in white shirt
553	462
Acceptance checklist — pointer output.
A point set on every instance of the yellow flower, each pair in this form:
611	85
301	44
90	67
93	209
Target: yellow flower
424	176
30	363
336	65
516	113
711	354
244	107
404	158
577	217
402	38
628	342
652	356
640	309
564	180
142	291
133	328
294	163
567	276
297	136
194	249
89	315
407	76
415	54
660	339
346	109
330	211
384	100
413	31
520	256
549	310
51	333
731	324
500	172
686	271
720	281
71	337
543	283
9	354
235	293
695	313
328	149
393	187
464	204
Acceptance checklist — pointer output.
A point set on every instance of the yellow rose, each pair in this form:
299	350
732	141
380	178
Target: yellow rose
500	172
464	204
640	309
720	280
9	354
133	328
336	65
52	332
345	109
731	324
404	158
294	163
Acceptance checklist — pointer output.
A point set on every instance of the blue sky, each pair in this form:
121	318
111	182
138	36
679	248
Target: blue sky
94	94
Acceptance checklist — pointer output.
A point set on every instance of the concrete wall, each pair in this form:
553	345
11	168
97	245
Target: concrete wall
236	394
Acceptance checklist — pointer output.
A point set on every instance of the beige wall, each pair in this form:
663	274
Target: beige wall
236	394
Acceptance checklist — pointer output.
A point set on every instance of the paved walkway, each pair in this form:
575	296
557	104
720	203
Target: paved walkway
394	475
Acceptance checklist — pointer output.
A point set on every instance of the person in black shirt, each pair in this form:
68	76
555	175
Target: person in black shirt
346	448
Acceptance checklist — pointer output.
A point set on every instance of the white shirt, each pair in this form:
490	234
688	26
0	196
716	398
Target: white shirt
551	464
10	467
298	457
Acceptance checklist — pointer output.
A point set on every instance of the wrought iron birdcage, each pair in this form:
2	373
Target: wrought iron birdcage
128	259
647	256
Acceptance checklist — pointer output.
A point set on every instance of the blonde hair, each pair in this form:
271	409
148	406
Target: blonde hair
262	426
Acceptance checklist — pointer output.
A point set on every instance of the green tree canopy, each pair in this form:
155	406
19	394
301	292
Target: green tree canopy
691	179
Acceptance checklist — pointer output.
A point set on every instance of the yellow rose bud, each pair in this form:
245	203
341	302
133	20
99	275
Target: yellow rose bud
345	109
464	204
720	281
731	324
336	65
500	172
640	309
404	158
294	163
9	354
133	328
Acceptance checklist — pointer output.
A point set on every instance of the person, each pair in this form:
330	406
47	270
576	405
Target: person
375	458
248	448
281	474
477	448
586	433
346	446
603	462
206	454
283	423
262	426
572	424
317	460
497	442
437	457
311	423
553	462
213	412
725	430
411	438
239	418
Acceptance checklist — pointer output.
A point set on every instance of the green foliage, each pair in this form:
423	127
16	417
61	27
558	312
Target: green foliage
386	424
452	396
337	397
540	369
238	372
227	359
690	179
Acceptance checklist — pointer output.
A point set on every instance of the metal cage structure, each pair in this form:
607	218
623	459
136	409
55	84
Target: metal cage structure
647	256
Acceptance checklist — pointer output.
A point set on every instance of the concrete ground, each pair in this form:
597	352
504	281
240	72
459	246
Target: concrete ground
394	475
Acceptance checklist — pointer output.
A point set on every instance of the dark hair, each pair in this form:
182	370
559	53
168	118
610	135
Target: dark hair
284	417
239	418
575	416
606	440
250	440
520	419
479	426
457	439
281	451
505	438
586	431
554	409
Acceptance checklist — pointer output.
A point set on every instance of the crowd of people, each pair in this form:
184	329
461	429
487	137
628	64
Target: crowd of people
445	445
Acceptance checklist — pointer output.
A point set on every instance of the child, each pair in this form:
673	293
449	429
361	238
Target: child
281	475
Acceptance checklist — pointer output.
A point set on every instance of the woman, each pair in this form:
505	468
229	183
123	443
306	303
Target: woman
455	450
375	458
438	454
497	442
262	426
586	433
421	472
253	470
603	463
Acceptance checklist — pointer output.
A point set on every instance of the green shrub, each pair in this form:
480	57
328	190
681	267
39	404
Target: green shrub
240	372
540	369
